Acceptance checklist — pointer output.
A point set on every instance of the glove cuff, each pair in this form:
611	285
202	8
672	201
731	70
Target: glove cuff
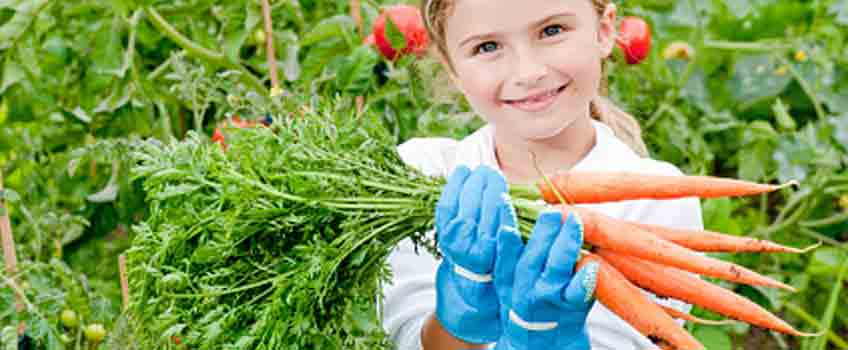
520	334
471	275
469	313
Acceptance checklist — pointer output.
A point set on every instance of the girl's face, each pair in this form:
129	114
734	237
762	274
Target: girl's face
530	67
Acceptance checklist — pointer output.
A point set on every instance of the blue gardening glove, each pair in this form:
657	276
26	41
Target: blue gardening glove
544	305
467	221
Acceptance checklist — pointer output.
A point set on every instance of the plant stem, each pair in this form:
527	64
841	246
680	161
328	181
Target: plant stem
837	218
197	51
745	46
269	46
798	311
806	87
8	241
823	238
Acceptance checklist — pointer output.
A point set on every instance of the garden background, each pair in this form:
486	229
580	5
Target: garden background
761	94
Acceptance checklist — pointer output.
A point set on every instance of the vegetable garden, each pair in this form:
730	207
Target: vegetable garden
196	174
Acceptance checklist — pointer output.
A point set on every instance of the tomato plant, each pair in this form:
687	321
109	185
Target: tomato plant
399	30
634	39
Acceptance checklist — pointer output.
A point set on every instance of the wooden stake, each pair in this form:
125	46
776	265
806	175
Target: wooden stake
269	48
9	256
356	14
122	273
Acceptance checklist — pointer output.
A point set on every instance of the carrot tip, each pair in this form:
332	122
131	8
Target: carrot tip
791	183
724	322
788	287
810	248
806	334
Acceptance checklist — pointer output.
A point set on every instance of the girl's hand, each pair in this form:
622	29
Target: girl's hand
468	218
544	305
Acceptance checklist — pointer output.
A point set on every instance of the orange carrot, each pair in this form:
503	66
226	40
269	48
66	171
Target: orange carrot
674	283
618	235
675	313
628	302
709	241
597	187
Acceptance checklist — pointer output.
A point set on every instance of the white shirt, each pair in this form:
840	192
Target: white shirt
410	298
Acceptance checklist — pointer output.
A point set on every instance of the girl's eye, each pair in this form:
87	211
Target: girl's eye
487	47
552	30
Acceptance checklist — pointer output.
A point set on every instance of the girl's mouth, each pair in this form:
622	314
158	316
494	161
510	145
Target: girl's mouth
537	102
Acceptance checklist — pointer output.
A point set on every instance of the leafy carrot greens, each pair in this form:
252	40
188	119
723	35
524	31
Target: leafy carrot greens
280	241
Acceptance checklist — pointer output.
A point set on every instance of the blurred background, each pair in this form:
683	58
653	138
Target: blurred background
750	89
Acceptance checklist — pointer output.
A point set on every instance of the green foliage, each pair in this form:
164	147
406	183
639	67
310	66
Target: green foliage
764	99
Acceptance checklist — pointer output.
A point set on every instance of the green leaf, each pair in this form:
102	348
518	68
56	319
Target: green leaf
759	130
395	36
839	9
107	53
781	113
12	74
332	27
120	96
755	161
826	261
81	114
739	8
178	190
827	319
713	338
17	26
755	79
356	73
10	195
840	129
206	254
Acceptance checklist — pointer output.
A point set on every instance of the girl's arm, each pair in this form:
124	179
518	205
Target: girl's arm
435	337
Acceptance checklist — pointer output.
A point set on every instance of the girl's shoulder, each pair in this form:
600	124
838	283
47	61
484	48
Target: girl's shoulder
437	156
428	154
612	154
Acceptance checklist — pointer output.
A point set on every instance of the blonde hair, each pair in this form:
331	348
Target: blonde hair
624	125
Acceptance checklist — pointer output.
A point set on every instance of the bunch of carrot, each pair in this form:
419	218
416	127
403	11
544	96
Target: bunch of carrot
665	261
312	210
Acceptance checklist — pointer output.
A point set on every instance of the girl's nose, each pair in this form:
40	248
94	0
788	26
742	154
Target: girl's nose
530	71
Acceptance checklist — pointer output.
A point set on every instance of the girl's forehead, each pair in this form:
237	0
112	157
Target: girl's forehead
470	17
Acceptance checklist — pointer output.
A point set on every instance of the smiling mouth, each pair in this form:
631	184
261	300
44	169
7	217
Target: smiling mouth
538	101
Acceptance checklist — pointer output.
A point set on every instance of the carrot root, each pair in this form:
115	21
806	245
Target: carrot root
710	241
618	235
675	313
810	248
674	283
597	187
628	302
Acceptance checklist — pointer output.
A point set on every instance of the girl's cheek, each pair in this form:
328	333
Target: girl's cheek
481	81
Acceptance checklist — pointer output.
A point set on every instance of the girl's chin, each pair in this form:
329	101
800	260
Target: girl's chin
536	130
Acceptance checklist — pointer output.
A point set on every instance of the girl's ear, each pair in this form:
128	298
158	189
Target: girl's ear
607	32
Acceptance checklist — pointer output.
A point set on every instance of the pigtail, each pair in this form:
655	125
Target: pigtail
623	125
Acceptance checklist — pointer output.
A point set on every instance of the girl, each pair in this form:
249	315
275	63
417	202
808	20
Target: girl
532	69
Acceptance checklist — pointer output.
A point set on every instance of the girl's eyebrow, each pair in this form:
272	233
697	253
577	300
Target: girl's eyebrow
535	24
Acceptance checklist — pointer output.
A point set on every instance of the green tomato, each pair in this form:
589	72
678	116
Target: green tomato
69	318
65	339
259	37
95	332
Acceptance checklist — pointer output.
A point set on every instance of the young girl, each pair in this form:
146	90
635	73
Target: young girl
532	69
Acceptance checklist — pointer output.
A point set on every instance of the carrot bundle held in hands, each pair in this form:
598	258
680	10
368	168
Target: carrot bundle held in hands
313	209
621	236
662	259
